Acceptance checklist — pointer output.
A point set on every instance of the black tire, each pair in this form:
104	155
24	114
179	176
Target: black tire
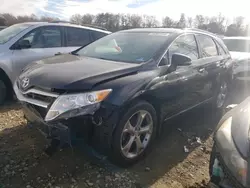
117	155
3	92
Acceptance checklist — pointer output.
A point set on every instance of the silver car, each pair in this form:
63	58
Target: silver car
24	43
239	48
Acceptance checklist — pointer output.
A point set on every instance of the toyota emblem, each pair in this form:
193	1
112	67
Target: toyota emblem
25	82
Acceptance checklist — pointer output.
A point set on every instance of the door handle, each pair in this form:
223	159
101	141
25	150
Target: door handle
222	64
58	53
201	70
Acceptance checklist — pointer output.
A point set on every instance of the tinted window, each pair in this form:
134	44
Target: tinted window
45	37
126	47
208	47
77	36
237	45
96	34
186	45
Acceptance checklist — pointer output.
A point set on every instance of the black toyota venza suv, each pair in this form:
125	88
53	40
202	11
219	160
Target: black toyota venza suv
117	91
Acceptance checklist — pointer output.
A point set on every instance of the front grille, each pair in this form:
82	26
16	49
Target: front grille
227	173
37	100
39	97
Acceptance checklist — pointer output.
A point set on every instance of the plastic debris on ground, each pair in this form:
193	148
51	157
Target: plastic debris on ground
186	150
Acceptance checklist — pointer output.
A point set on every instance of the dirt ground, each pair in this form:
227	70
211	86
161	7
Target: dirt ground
23	164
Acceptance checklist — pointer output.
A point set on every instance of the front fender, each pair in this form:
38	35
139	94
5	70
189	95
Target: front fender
128	88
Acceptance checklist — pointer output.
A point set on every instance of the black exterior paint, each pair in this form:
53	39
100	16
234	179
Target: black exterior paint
170	92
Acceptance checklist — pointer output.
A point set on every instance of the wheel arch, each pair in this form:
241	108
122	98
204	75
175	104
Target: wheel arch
151	100
7	81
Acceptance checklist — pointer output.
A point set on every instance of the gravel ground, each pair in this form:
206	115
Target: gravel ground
23	164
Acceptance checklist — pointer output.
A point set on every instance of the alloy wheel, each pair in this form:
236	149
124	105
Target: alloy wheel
221	98
136	134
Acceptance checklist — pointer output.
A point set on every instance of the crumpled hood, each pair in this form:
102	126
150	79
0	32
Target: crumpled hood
71	72
239	56
240	127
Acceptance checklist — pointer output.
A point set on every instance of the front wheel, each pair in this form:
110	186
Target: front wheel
134	133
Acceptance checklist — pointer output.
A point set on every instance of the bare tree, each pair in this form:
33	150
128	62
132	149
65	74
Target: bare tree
135	21
150	21
199	21
190	22
3	21
182	21
10	19
168	22
87	19
76	19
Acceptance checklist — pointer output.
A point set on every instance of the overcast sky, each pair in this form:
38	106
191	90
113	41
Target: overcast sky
159	8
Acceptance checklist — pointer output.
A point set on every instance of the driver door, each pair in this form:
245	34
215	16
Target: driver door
44	42
182	85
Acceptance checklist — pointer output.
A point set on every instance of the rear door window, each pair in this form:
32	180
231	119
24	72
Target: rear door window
96	34
77	36
221	51
207	46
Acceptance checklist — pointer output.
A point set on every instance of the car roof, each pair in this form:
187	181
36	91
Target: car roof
238	38
149	30
65	24
169	30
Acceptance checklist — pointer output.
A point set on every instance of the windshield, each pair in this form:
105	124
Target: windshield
125	47
9	32
237	45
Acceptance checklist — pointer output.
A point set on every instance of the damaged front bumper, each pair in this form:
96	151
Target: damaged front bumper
55	130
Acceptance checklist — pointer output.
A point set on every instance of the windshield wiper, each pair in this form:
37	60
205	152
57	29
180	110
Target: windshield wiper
74	53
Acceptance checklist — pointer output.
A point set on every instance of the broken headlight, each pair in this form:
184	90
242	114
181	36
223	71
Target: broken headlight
71	105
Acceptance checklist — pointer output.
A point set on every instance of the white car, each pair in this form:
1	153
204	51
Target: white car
239	48
21	44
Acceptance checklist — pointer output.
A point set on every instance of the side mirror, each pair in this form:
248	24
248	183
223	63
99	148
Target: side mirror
180	59
24	44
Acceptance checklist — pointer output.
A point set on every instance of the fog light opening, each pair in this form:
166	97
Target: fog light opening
97	120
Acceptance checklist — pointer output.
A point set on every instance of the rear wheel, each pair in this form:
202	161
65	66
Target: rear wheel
222	95
3	92
134	133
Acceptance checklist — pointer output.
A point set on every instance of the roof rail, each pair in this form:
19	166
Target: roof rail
87	25
60	21
201	30
94	26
